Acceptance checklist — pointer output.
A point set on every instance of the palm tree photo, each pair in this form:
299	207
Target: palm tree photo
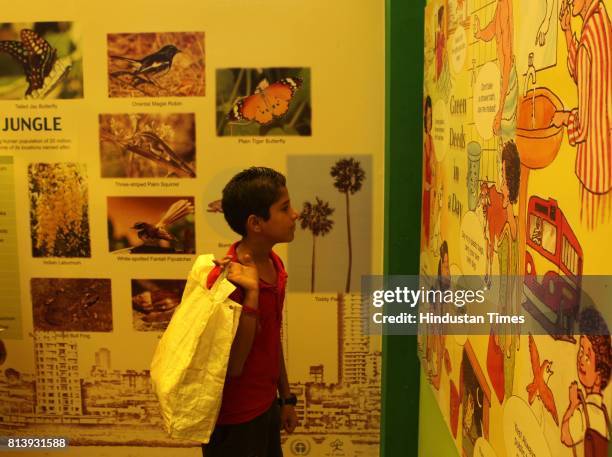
314	217
348	179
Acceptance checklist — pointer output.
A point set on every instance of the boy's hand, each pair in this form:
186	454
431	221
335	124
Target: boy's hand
288	418
243	274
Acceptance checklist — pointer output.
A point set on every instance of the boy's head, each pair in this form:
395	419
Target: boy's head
511	171
440	16
594	355
256	199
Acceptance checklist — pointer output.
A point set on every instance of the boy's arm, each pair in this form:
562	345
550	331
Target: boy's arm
283	382
244	274
245	334
288	414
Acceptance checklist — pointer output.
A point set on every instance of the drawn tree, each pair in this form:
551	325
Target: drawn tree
314	217
348	178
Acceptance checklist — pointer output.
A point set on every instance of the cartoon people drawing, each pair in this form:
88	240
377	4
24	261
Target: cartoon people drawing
440	43
436	340
501	28
500	231
428	171
585	422
589	125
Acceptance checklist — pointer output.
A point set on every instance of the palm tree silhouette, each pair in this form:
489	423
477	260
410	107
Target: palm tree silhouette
315	218
348	178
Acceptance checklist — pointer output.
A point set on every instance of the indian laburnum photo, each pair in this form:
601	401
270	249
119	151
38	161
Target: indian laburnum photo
156	64
40	60
154	302
151	225
59	210
147	145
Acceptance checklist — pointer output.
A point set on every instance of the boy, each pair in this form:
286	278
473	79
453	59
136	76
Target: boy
256	205
586	418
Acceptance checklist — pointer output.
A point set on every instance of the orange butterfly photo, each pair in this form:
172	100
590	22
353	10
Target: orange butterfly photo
263	102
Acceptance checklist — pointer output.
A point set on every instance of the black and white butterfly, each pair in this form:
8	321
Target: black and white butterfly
35	54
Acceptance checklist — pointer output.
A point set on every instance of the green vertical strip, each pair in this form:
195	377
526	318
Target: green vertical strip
403	156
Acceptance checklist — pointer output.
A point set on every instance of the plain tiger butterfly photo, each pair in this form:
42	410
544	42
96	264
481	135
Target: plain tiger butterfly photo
263	102
40	60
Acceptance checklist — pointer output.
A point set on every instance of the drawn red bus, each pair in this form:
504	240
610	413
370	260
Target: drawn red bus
553	269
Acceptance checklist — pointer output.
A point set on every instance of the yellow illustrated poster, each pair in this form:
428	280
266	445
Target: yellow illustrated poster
517	193
120	124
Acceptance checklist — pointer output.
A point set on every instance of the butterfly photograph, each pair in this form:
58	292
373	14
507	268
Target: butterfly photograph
147	145
263	102
40	60
156	64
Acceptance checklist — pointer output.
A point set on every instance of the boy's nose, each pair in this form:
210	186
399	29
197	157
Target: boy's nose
294	215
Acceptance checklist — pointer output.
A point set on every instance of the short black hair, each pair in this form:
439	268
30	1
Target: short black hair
427	106
440	15
593	326
252	191
510	156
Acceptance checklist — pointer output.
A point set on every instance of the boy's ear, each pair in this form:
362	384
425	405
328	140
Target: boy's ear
253	224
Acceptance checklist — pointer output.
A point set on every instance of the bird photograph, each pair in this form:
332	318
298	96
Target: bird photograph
40	60
151	225
147	145
538	387
156	64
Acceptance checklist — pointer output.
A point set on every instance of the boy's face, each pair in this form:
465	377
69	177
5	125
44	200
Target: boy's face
587	371
280	227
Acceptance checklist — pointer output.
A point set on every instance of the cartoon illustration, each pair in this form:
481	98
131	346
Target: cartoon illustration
475	399
590	123
436	338
498	208
428	171
553	269
440	44
501	28
545	24
500	231
586	422
539	385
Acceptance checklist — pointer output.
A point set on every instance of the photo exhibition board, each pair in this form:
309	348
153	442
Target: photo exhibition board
517	179
120	124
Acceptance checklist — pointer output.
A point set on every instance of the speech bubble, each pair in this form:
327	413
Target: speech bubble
473	247
458	48
486	99
523	435
439	129
483	448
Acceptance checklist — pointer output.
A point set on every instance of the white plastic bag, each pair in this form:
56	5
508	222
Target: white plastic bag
190	363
